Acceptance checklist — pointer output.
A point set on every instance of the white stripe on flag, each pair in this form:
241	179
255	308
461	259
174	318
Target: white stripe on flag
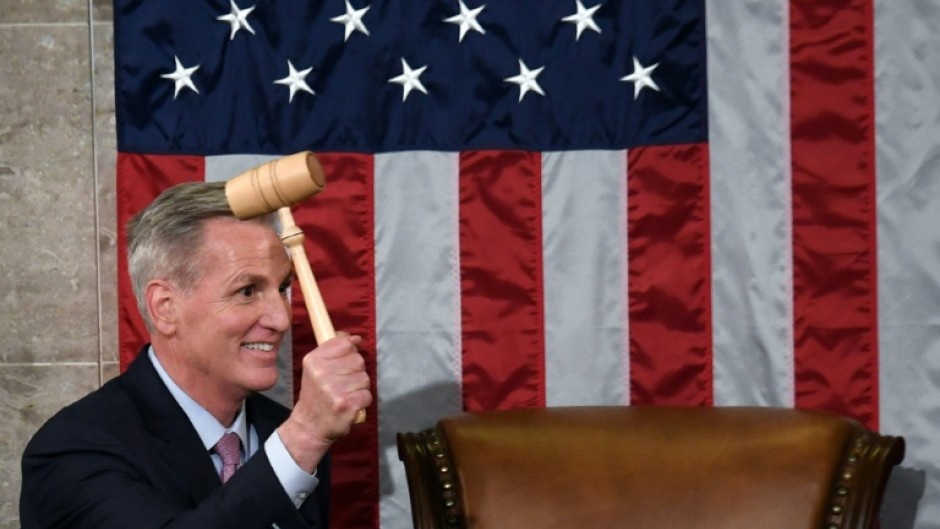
417	307
908	162
748	121
585	271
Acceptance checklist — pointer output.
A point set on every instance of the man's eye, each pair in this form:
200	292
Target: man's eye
247	291
284	287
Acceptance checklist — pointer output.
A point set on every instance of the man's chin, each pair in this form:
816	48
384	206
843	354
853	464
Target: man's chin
263	382
261	373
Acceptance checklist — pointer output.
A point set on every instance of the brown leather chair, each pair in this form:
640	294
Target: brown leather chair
647	468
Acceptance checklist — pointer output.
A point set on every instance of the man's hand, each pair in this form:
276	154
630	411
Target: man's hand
334	386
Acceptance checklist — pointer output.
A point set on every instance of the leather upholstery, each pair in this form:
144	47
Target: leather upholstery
647	468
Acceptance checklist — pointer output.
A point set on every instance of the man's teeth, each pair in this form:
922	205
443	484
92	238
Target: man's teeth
258	346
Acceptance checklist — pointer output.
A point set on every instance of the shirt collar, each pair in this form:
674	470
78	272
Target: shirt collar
209	429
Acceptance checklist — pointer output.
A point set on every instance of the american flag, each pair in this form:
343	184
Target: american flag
556	202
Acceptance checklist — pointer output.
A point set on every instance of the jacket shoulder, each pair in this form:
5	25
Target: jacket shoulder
95	420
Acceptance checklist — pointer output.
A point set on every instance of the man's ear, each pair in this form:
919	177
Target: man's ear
162	304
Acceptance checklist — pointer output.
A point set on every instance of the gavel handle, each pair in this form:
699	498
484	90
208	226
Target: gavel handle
293	237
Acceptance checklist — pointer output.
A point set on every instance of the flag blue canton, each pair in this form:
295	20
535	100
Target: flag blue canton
466	102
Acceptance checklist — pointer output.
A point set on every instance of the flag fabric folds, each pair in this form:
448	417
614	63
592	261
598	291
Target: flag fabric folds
531	203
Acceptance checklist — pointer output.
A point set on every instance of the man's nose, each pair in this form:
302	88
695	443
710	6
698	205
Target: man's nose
277	315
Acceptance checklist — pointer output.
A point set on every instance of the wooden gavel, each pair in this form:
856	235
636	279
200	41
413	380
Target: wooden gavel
276	186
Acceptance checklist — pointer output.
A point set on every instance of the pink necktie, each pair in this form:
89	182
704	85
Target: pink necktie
229	449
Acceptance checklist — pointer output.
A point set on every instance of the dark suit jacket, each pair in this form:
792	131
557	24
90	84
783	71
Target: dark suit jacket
126	455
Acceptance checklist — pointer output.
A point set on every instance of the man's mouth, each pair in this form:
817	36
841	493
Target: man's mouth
259	346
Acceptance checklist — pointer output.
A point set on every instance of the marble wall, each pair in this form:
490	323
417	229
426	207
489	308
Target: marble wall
58	318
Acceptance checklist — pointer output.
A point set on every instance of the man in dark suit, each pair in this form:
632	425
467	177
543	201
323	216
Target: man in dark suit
141	451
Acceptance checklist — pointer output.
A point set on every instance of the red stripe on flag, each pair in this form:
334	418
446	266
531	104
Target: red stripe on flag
140	178
669	275
834	226
339	230
501	280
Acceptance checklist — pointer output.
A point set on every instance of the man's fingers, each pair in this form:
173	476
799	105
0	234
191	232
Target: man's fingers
339	346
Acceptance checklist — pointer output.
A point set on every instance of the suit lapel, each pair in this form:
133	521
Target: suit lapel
174	437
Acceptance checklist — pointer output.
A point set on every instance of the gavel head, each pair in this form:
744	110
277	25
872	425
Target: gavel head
275	184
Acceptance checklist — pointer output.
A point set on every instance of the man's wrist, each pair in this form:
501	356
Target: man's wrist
297	482
304	448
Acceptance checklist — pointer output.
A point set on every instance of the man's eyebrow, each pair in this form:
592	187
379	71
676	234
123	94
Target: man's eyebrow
244	278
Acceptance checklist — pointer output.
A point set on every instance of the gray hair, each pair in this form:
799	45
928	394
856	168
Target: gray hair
163	238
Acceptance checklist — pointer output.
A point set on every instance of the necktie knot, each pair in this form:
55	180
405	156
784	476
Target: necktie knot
229	449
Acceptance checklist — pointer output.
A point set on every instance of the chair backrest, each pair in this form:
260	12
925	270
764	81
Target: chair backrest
647	468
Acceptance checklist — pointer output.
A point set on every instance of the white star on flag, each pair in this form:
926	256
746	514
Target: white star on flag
584	19
238	19
295	80
352	20
409	79
182	77
526	79
641	77
467	19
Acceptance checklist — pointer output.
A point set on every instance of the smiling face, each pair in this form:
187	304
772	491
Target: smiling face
224	334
